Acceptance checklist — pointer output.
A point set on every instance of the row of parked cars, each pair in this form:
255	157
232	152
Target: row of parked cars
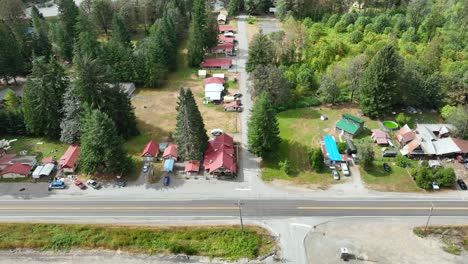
60	184
344	170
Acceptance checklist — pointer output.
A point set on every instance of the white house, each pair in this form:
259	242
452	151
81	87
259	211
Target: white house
221	19
213	91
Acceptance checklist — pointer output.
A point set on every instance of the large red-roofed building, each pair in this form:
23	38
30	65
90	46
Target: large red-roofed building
16	170
225	28
219	63
219	159
69	160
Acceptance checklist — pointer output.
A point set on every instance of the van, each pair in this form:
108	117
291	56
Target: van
57	185
345	169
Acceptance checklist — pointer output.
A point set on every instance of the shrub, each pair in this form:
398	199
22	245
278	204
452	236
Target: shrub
366	154
341	147
355	37
424	177
316	159
285	166
381	22
402	161
333	20
447	111
445	177
402	119
362	22
340	27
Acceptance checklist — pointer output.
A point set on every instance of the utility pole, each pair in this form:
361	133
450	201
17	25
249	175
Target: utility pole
429	216
240	216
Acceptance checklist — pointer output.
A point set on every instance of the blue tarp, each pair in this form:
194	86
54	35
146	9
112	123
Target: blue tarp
332	149
168	165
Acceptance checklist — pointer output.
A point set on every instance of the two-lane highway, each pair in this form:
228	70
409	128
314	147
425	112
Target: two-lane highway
252	208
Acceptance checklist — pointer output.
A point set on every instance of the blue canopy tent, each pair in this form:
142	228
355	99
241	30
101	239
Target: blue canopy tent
332	149
168	165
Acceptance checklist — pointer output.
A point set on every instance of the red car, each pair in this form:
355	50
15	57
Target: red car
80	185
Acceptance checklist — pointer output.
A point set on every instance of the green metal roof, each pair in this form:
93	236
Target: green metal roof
348	126
353	118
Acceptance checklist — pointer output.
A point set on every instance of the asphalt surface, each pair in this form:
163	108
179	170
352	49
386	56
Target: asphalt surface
211	208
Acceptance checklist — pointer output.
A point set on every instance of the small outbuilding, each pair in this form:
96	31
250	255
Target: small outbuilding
150	152
380	137
349	125
171	152
221	19
48	160
43	170
168	165
201	73
192	167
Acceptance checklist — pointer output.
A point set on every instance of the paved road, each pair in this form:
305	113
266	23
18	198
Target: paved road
212	208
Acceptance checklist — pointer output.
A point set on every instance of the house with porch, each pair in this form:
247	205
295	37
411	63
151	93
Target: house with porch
150	152
220	157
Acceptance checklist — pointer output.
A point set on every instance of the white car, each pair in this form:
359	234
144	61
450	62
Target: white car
145	168
435	186
345	169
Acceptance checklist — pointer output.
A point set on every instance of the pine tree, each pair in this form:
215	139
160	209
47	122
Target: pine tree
68	15
196	49
260	52
86	43
101	146
72	109
120	59
202	33
379	83
271	80
263	131
190	132
40	39
11	101
234	7
42	98
11	59
120	31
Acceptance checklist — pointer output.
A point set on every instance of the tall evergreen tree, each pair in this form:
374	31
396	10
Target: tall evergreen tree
120	59
68	15
72	109
120	31
263	130
40	38
101	146
190	132
43	97
86	43
11	59
260	52
271	80
379	83
234	7
202	32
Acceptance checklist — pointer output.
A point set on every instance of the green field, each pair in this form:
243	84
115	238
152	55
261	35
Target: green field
225	242
397	180
36	146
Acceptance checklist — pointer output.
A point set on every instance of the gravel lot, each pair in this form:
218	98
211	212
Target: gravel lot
377	241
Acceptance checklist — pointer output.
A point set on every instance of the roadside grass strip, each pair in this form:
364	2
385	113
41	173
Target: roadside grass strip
226	242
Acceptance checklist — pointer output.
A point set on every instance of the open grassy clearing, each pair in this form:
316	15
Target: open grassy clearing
397	180
36	146
455	238
301	129
224	242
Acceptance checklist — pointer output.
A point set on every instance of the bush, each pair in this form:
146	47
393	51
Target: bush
445	177
342	147
447	111
316	159
305	102
362	22
424	177
356	37
285	166
402	161
402	119
366	154
333	20
340	27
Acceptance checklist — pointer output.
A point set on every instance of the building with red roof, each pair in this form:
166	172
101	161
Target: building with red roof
380	137
219	158
150	152
69	160
226	48
15	170
219	63
225	28
224	39
192	166
5	160
171	152
215	80
48	160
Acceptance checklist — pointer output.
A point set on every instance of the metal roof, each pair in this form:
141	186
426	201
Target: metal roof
347	126
331	148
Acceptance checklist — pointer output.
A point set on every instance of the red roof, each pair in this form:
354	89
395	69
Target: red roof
220	62
17	168
232	104
223	28
220	154
68	159
151	149
225	39
462	144
48	160
192	166
5	159
223	47
170	151
213	80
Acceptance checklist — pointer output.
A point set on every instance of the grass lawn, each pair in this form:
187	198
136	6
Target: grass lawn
36	146
301	129
455	238
224	242
397	180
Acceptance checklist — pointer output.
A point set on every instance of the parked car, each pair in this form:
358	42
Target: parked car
386	167
435	186
166	180
80	185
345	169
389	153
216	132
57	185
120	183
146	167
462	184
96	185
336	175
237	95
